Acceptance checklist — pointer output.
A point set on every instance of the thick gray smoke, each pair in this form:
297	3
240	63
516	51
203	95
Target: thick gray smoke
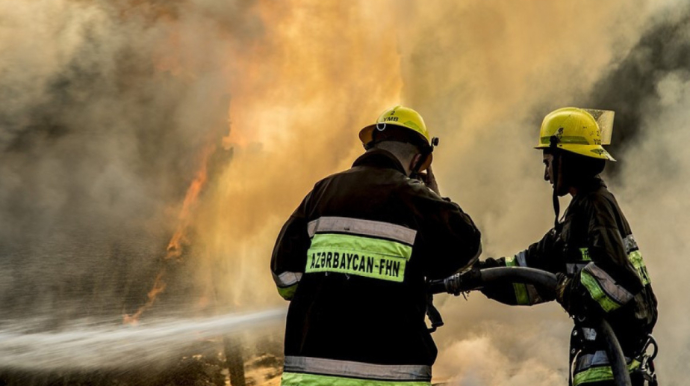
655	169
107	110
484	82
101	131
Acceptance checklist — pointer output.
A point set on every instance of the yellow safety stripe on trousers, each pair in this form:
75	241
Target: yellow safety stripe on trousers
603	289
521	292
599	374
298	379
357	255
359	370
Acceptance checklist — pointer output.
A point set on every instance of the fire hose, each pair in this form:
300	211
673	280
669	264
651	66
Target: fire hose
474	279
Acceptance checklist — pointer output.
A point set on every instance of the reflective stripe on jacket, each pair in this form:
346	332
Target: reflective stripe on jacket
595	247
353	259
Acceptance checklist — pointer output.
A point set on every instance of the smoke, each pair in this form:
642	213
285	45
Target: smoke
483	82
654	172
101	133
107	109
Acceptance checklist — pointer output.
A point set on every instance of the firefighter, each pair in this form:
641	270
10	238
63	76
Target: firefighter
354	257
591	250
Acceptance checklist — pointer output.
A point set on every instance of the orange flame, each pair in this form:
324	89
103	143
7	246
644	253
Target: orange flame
179	238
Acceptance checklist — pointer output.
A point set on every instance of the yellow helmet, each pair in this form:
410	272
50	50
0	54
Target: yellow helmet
403	117
396	116
577	131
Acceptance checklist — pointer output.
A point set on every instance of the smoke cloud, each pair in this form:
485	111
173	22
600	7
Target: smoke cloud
108	109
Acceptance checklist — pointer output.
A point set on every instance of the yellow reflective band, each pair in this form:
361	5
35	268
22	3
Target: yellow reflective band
521	294
585	254
635	258
299	379
596	292
599	374
288	292
356	255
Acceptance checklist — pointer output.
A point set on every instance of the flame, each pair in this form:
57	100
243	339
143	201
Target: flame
179	238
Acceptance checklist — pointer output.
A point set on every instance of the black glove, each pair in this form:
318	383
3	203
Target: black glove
466	281
490	262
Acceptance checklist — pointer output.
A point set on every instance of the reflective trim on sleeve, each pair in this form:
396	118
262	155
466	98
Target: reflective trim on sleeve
603	289
635	258
357	255
362	227
521	259
534	297
288	292
630	243
350	369
595	367
287	279
525	294
572	268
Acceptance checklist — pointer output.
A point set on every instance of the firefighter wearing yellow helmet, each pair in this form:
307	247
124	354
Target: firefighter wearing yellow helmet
401	124
592	251
354	257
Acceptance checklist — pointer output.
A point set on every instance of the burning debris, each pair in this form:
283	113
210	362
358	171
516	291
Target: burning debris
111	108
180	237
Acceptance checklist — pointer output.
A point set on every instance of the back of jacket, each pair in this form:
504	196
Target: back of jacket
353	259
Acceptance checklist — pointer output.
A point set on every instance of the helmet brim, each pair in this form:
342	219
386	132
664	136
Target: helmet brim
591	151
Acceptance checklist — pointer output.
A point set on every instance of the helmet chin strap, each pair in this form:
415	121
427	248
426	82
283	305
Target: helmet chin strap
555	166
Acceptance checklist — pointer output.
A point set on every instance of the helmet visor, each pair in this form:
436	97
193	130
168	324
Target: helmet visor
604	120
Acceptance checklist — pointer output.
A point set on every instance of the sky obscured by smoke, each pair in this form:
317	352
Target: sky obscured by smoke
107	109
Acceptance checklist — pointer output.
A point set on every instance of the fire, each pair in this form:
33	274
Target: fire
179	238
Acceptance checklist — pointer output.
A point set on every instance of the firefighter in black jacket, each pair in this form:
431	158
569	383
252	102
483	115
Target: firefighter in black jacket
354	257
592	251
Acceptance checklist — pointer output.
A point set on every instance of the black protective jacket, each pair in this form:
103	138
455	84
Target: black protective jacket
594	246
353	259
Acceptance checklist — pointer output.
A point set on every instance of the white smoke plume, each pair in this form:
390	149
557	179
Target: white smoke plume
107	108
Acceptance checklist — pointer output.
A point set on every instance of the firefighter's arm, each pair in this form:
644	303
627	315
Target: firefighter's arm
522	294
609	281
453	241
290	252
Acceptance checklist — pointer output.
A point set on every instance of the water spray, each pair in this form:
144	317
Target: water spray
89	346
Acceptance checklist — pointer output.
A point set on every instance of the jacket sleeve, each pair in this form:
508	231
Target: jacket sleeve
535	256
609	281
290	252
451	240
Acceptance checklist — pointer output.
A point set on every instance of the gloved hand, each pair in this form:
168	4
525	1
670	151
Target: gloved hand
490	262
429	180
